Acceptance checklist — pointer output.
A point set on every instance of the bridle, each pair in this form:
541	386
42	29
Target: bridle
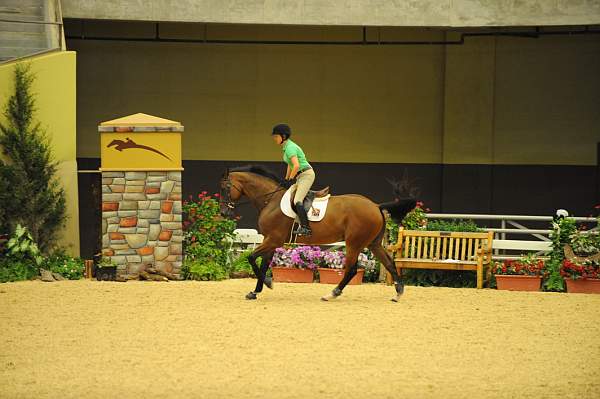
229	203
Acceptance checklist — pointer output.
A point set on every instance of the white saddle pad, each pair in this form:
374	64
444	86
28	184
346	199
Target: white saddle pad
315	213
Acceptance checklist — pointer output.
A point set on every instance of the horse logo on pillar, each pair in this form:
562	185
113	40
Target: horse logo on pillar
121	145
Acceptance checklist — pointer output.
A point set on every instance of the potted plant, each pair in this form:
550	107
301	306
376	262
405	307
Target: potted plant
295	265
332	270
106	269
581	265
581	277
524	274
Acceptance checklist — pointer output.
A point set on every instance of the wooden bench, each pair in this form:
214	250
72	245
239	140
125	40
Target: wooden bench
418	249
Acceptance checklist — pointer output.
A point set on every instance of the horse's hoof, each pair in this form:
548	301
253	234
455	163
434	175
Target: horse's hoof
328	297
269	282
251	295
396	298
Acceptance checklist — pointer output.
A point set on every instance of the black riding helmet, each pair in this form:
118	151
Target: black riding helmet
283	130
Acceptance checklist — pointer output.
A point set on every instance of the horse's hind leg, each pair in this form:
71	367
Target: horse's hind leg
387	261
350	268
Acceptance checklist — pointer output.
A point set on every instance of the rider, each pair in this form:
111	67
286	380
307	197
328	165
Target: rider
297	168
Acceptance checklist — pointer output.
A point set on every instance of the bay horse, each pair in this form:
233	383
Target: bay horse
352	218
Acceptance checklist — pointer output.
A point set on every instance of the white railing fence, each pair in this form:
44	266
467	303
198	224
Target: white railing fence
505	246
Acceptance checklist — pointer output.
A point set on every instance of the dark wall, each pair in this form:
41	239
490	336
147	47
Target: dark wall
495	189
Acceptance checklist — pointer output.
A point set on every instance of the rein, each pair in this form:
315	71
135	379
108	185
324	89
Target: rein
231	205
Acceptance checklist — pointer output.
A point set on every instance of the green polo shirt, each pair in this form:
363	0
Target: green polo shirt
291	149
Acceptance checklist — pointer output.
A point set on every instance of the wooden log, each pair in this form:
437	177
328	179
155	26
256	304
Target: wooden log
168	275
144	275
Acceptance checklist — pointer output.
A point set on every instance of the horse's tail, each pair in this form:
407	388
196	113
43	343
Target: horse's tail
399	208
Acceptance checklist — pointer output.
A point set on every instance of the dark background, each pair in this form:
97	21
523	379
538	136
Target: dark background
487	189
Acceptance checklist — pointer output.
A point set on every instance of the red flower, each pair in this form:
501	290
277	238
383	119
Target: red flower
597	206
419	204
217	195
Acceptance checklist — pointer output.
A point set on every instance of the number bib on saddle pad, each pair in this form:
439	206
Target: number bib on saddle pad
316	211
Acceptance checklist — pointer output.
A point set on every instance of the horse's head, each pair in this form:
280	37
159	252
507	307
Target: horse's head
231	191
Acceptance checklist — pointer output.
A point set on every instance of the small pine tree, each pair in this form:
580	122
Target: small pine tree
30	194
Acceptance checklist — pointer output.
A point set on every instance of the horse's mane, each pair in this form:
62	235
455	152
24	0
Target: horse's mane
258	170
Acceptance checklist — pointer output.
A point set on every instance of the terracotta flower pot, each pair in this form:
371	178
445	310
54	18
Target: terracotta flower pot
518	282
583	286
334	276
292	275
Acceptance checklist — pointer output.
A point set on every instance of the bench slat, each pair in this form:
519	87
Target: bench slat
429	264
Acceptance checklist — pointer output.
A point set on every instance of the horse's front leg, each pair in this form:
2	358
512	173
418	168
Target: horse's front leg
266	254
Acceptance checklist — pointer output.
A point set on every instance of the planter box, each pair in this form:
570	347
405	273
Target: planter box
518	283
334	276
583	286
292	275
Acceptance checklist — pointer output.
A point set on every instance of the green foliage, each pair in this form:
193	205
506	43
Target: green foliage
241	264
21	246
67	266
372	273
202	269
585	243
16	270
414	220
30	194
440	278
22	258
561	233
207	239
106	261
452	225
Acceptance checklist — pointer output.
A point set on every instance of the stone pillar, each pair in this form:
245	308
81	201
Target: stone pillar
141	193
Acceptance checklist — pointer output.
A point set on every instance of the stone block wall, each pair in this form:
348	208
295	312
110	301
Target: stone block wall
142	220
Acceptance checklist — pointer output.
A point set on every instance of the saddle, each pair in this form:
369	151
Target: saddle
310	197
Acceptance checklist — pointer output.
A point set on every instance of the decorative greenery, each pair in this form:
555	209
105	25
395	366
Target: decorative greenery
528	265
241	264
562	230
203	269
22	259
67	266
16	270
106	261
414	220
452	225
30	193
585	243
207	239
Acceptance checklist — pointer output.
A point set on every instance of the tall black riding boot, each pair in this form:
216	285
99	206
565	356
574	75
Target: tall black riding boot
304	229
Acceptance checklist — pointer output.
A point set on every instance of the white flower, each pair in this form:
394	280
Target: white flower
562	213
